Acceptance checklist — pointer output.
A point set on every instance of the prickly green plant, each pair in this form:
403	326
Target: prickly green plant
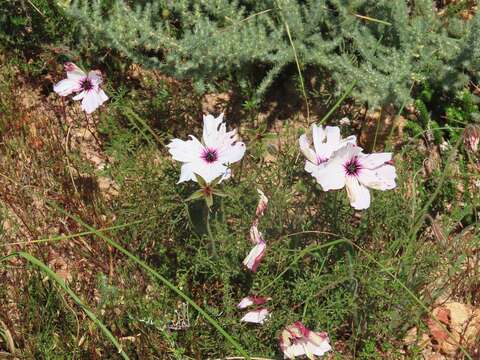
385	46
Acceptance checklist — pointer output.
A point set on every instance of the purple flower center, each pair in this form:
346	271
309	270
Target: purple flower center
352	166
86	84
209	155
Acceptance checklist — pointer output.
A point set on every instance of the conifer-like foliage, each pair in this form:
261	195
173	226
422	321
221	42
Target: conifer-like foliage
385	46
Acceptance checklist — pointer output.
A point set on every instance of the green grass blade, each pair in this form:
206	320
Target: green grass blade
162	279
38	263
72	236
339	102
133	116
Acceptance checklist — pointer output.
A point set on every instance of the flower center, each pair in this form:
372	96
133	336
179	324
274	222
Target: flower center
86	84
352	167
210	155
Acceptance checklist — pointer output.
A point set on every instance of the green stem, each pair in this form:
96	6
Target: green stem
209	232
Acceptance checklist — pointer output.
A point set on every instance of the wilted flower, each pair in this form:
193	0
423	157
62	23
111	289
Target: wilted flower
252	300
262	204
256	316
255	235
211	157
357	171
87	87
471	137
258	252
325	142
297	340
255	256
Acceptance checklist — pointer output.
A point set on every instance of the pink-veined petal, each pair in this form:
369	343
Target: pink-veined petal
102	95
210	171
352	139
255	256
213	128
92	100
186	173
66	87
256	316
310	167
80	95
312	349
358	194
372	161
185	151
331	176
380	178
319	136
95	76
245	302
306	150
74	72
332	143
231	154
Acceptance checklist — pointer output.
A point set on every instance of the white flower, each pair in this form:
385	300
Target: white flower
256	316
357	171
325	142
211	157
87	87
297	340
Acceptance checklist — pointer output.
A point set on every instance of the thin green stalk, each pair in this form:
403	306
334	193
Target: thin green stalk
339	101
373	19
162	279
70	236
297	62
33	260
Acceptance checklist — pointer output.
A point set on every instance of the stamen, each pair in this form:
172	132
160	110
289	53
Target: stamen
209	155
86	84
352	167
